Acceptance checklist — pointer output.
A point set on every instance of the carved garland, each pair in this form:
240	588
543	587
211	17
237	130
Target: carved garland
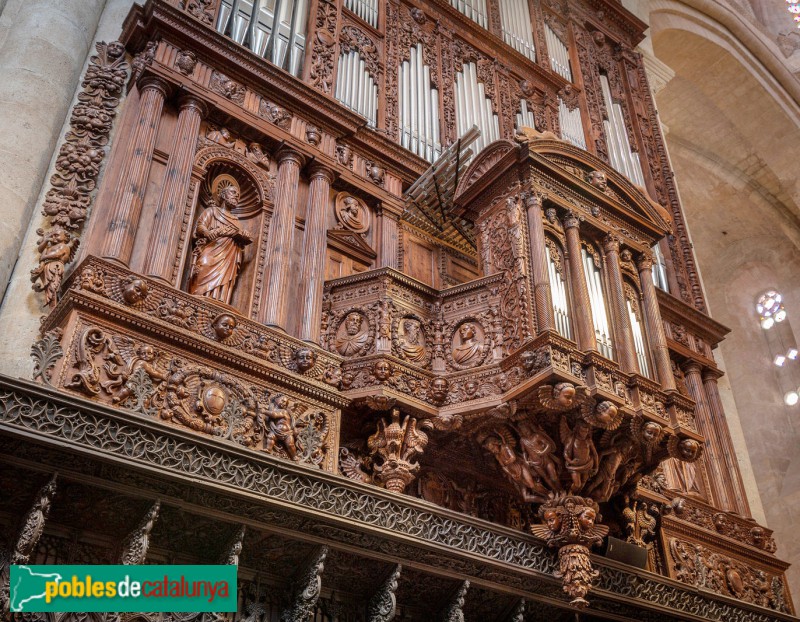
78	167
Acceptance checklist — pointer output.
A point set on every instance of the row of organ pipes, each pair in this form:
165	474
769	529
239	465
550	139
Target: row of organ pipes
473	107
558	290
365	9
602	329
622	158
283	45
559	53
419	107
474	9
638	340
516	26
356	88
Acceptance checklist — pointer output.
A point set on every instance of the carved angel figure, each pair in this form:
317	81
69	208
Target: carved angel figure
562	397
146	360
219	247
280	426
580	455
515	468
540	452
57	248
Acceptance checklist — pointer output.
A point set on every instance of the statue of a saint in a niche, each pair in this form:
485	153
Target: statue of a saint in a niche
219	244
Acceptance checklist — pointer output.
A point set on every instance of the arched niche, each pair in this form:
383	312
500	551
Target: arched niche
216	167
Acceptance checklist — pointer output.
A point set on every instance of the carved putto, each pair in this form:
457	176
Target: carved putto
278	422
351	213
562	396
219	244
224	325
353	335
56	249
135	290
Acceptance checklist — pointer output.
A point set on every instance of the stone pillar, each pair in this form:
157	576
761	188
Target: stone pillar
703	418
168	218
312	267
43	49
580	290
388	241
623	334
656	337
542	295
722	437
122	219
272	308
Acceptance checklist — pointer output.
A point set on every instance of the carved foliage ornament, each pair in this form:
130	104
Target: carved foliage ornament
78	166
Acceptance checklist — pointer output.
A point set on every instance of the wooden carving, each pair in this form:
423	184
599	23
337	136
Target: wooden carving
570	525
78	166
394	449
219	244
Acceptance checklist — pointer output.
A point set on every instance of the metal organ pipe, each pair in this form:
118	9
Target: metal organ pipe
559	53
419	107
620	154
599	315
516	26
571	125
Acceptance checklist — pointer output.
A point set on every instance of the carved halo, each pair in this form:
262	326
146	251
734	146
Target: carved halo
224	181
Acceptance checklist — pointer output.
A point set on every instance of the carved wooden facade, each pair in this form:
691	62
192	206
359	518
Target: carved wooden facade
252	291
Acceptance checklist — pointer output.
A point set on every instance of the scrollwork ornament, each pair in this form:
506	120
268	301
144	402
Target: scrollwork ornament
383	604
78	166
134	550
46	352
307	589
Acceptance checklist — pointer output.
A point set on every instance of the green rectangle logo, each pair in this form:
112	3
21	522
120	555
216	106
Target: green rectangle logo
142	589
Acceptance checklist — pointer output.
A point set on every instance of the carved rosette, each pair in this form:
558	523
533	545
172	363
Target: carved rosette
570	525
78	167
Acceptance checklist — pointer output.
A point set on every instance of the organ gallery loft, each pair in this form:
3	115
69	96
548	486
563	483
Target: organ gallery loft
391	304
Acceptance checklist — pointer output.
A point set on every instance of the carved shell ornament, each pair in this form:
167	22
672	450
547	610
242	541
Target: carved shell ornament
352	213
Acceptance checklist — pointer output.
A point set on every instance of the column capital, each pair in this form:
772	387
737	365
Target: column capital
154	83
534	199
644	261
318	170
711	374
193	102
571	219
611	243
692	367
287	154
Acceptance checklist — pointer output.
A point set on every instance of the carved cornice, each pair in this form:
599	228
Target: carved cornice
696	321
127	443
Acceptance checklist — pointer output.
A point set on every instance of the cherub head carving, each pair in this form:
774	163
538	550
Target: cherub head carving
439	388
224	325
135	290
598	180
564	394
305	358
605	412
688	450
552	519
651	432
382	370
587	518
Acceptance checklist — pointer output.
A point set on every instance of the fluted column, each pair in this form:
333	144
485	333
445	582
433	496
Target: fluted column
168	218
272	309
719	424
542	294
626	352
387	252
312	267
694	383
126	208
580	290
656	337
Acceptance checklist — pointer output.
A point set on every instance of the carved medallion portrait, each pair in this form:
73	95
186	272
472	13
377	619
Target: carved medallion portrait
468	345
353	335
352	213
410	341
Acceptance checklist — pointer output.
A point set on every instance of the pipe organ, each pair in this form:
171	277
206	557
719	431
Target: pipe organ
622	157
559	53
355	87
272	29
292	298
473	107
515	18
419	107
473	9
599	313
365	9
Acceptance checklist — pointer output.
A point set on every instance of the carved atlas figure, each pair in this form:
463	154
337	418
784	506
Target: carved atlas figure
219	244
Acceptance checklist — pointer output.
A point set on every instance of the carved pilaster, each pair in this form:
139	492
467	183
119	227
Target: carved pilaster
134	550
626	353
307	589
122	220
272	309
389	240
383	604
656	337
719	427
312	267
580	290
542	297
167	221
